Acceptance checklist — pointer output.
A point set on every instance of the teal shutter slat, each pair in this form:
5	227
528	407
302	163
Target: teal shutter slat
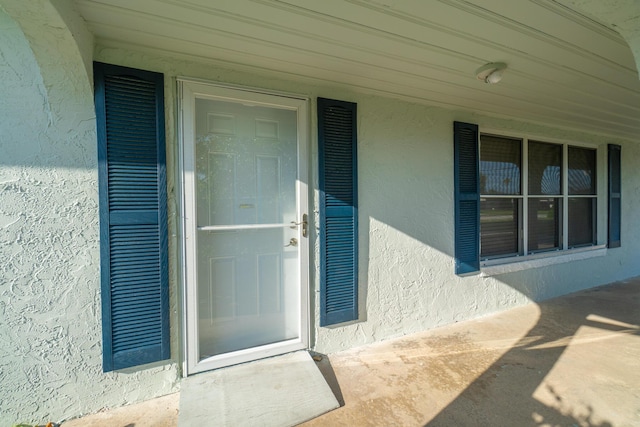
615	199
133	216
337	140
467	198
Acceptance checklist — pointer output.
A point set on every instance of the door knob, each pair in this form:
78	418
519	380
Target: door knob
292	242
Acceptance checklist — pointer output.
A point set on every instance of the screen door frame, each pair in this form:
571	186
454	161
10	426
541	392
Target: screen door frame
188	91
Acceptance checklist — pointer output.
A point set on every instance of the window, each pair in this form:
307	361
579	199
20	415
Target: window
516	197
535	196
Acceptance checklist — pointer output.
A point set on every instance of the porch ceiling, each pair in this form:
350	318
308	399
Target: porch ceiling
564	69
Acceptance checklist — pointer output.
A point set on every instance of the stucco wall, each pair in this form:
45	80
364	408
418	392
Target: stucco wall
50	319
405	156
407	232
50	358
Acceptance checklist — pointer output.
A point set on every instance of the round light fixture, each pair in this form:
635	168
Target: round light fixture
491	73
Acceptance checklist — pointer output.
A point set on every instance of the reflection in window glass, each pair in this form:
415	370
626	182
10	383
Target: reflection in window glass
545	162
544	224
500	165
582	221
582	171
560	192
498	227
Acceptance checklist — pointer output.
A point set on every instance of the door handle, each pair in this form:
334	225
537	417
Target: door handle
292	242
304	224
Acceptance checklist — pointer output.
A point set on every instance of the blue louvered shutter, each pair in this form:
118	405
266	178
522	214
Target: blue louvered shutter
133	216
615	189
467	198
337	140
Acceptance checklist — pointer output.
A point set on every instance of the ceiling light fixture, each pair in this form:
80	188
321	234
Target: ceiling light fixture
491	73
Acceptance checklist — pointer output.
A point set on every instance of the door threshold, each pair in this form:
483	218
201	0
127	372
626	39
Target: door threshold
248	355
283	390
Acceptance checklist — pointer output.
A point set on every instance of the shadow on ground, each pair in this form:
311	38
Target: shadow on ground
516	389
570	361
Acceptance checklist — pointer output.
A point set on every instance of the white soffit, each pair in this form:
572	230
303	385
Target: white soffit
564	69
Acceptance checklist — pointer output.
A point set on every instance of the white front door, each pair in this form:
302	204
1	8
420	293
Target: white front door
245	211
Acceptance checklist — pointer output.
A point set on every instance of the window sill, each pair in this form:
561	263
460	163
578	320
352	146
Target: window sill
510	265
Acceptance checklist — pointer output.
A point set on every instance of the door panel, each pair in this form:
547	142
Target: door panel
248	290
246	175
247	278
269	188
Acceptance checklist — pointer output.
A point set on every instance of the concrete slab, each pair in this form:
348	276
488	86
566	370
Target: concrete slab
279	391
571	361
160	412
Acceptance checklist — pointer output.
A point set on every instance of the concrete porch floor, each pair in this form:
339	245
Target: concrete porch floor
570	361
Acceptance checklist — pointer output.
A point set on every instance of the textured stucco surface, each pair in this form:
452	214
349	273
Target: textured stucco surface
50	358
405	174
50	319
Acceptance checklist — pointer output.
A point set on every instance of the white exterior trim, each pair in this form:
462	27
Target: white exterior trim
510	265
187	90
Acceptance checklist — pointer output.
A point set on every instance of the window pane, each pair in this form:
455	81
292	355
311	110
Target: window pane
545	163
500	165
582	221
544	224
498	227
582	171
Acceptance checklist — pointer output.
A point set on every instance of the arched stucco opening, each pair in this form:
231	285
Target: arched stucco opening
48	217
51	353
623	16
46	73
25	100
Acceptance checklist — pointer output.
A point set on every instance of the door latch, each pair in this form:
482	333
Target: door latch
304	224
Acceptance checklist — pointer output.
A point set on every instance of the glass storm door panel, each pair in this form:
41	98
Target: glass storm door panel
248	246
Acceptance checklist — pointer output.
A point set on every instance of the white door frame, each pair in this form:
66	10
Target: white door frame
188	90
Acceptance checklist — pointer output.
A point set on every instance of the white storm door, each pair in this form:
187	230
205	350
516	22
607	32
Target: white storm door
245	206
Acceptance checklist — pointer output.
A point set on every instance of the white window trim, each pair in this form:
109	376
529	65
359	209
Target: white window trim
510	264
495	267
